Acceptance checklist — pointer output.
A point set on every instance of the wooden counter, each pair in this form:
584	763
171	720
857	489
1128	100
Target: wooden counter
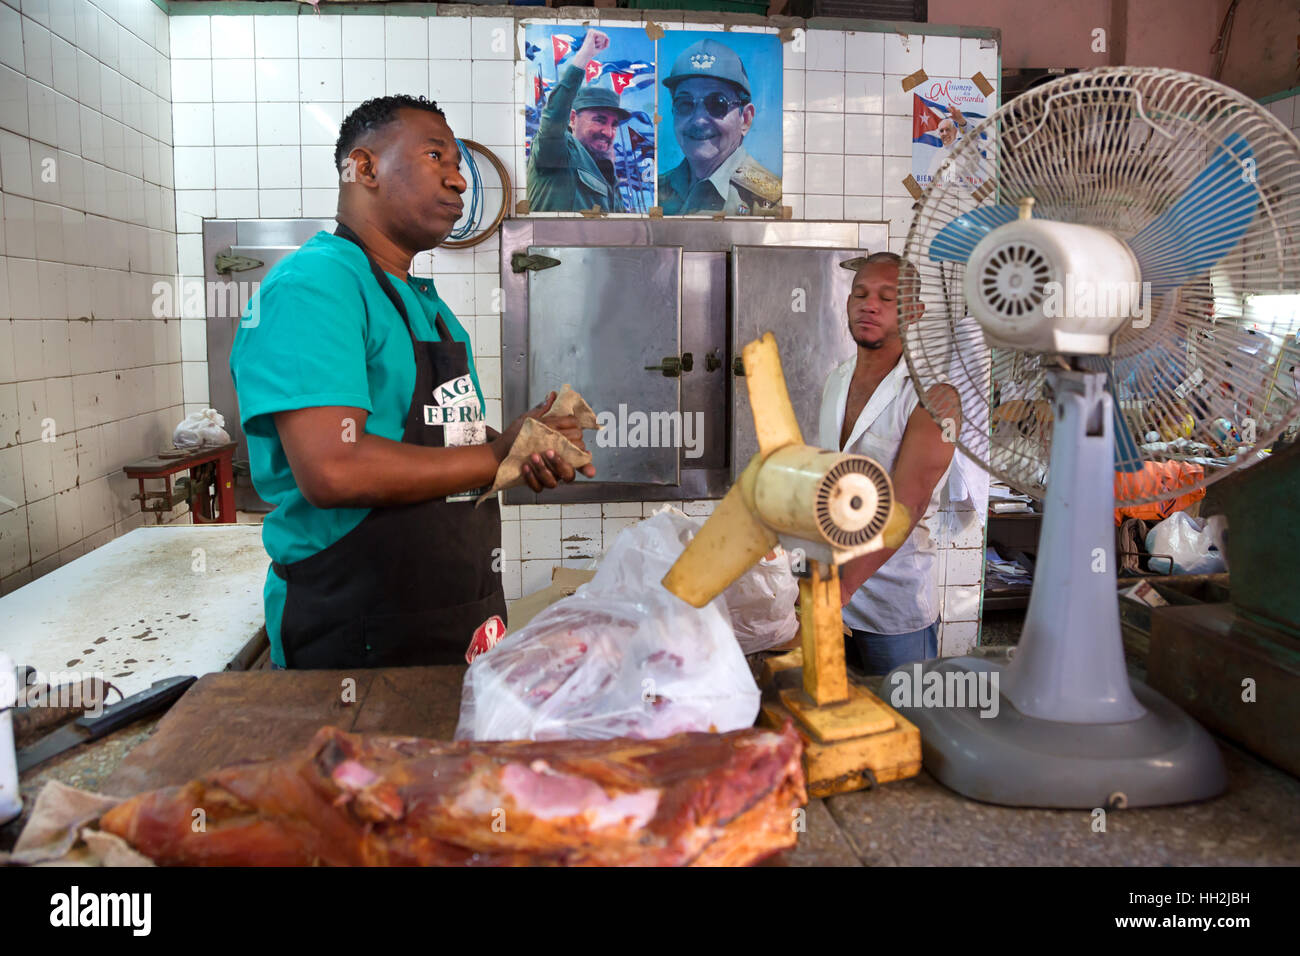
239	715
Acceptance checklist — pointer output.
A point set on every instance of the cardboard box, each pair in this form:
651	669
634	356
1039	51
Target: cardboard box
564	581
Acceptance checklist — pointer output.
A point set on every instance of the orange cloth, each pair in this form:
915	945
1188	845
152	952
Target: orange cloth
1157	478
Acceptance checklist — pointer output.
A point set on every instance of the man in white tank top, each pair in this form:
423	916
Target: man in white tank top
869	407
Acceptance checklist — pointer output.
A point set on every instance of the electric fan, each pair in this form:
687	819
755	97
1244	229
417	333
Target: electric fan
832	507
1136	284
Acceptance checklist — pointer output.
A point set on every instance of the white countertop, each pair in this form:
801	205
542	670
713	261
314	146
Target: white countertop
144	606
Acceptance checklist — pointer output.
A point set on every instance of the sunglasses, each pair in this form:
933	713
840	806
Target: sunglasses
718	105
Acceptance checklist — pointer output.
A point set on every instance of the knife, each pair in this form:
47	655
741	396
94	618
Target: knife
158	696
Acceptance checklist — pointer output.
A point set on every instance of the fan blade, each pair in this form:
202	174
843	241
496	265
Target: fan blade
1127	455
731	542
769	400
1204	224
899	526
957	240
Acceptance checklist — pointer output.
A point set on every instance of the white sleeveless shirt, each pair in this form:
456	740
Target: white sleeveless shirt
902	596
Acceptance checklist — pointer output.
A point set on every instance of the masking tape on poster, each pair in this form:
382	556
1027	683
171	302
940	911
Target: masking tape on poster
914	80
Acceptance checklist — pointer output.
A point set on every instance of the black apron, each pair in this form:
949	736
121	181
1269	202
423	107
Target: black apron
409	584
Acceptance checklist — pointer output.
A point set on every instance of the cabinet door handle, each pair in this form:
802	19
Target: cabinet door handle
673	366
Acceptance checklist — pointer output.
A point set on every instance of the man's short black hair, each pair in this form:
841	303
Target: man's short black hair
376	114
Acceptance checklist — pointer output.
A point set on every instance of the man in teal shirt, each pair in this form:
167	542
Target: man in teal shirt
365	418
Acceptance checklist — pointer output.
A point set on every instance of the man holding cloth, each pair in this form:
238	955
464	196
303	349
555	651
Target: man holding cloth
365	421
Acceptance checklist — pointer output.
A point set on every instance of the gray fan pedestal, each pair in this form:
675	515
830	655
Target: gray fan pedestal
1161	757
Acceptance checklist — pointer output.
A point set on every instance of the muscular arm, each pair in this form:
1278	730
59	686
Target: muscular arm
333	471
337	465
923	457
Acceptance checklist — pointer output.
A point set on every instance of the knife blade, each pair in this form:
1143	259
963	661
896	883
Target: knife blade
158	696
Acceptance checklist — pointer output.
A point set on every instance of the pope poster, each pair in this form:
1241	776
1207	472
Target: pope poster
589	119
720	93
944	111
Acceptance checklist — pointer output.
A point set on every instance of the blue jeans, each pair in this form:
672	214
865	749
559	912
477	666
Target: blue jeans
881	653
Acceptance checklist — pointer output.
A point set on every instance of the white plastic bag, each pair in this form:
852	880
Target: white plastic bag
201	428
761	603
1193	542
622	657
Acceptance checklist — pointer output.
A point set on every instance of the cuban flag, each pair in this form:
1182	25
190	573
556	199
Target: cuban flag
928	114
593	70
541	90
629	74
565	44
562	44
926	117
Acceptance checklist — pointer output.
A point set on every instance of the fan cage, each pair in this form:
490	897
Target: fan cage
832	532
1209	379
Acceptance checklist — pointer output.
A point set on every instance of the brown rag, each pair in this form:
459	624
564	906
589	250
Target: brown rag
61	830
536	438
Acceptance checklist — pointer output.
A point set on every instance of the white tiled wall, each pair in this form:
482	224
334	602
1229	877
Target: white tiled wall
89	378
960	536
258	101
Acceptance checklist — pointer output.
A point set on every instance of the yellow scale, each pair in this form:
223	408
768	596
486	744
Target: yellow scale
835	507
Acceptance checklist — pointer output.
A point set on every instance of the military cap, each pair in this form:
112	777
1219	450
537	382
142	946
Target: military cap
599	98
708	58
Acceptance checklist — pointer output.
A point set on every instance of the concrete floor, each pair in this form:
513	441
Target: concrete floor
919	822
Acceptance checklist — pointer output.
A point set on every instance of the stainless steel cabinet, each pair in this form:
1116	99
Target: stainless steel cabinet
591	302
801	296
594	315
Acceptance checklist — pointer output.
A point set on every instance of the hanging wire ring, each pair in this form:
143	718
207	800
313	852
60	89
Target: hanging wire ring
472	232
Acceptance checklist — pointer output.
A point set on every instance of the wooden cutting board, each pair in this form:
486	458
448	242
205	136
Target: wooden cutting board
252	715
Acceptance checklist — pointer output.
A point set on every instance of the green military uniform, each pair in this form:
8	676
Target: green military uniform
563	175
740	186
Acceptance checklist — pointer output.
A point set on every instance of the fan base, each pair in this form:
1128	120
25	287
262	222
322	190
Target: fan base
1008	758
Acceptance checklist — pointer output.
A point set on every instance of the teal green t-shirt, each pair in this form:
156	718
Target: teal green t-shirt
321	331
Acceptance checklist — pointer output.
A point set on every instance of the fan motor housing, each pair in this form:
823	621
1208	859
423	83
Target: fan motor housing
837	503
1045	286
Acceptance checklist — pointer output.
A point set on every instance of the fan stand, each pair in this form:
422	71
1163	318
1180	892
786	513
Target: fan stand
851	738
1069	729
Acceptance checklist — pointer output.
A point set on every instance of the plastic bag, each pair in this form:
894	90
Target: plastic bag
622	657
761	601
201	428
1193	542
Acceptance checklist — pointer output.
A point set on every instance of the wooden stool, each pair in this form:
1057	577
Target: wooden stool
166	464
